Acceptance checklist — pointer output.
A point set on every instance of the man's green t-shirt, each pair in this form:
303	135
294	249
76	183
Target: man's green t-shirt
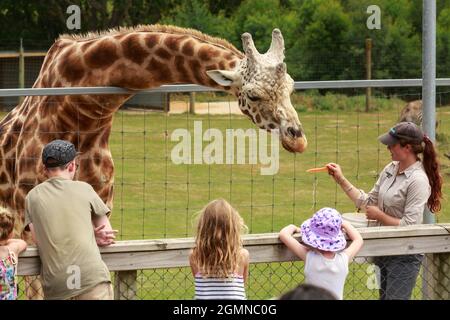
61	211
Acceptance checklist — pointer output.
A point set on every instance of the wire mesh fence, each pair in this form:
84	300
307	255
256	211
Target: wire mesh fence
10	73
162	198
156	198
271	280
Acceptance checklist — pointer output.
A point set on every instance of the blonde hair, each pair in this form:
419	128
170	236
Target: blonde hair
218	241
7	220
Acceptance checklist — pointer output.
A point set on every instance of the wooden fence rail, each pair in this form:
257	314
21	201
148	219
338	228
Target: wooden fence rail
126	257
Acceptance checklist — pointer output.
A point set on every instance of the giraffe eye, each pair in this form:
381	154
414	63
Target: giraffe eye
254	98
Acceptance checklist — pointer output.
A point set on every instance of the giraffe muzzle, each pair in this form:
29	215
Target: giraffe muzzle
295	133
294	141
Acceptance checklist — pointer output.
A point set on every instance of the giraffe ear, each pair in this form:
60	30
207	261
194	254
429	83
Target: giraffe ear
223	77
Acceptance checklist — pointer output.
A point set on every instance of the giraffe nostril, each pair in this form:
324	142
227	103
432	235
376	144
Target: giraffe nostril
295	133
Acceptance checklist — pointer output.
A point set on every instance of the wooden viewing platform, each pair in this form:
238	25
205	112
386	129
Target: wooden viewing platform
126	257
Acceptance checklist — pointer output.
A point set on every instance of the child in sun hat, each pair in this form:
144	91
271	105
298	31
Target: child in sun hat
324	248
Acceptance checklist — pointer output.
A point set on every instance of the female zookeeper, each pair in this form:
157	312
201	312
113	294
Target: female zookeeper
404	187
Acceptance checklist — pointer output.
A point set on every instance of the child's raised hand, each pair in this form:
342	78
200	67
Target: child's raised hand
290	230
295	229
286	236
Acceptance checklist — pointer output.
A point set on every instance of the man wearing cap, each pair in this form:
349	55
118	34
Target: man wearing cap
68	221
404	188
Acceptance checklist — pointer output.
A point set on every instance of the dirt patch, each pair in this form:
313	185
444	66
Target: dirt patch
232	107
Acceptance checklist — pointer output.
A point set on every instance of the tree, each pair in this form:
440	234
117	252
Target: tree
43	21
259	18
195	14
443	44
396	49
322	43
227	7
324	39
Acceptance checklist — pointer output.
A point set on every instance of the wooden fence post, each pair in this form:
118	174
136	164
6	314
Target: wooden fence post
368	71
21	69
125	285
192	102
166	102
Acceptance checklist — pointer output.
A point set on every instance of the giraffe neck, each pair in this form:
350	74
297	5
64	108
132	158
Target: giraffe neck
137	60
154	59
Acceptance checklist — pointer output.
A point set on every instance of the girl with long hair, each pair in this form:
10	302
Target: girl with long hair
219	263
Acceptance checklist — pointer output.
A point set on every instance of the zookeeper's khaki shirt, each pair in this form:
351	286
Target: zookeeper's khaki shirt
403	195
61	211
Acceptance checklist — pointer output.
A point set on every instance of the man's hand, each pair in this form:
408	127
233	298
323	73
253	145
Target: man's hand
104	237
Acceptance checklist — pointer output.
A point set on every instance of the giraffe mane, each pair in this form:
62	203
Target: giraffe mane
153	28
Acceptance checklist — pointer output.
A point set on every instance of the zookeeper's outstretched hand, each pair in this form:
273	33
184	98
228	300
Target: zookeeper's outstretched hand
335	171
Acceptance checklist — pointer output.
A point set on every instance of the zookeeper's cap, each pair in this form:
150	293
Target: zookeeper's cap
58	153
408	131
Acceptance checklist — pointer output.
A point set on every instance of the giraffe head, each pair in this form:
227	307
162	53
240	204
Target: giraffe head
263	88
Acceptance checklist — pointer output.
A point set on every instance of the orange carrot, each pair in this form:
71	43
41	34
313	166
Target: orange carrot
321	169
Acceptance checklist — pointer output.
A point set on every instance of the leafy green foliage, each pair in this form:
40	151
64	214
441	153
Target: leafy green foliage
195	14
324	39
443	43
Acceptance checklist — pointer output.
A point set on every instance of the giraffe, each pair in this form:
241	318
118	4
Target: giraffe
412	112
134	58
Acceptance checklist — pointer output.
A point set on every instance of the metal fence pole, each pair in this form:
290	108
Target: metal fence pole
429	120
298	85
429	77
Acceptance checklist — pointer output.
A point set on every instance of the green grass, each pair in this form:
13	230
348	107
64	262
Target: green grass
155	198
147	207
309	100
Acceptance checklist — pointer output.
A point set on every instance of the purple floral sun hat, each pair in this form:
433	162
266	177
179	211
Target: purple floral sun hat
323	230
